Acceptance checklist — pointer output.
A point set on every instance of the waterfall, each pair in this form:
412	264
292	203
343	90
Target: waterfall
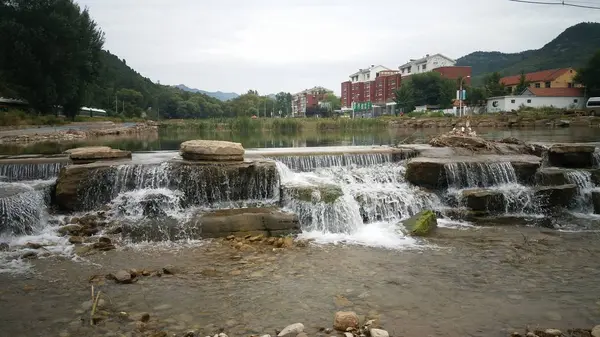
596	158
583	180
311	162
30	171
367	195
22	209
465	174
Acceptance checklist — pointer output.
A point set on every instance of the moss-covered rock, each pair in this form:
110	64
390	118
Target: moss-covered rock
321	193
421	224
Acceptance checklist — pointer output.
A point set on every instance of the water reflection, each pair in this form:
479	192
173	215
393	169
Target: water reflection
170	140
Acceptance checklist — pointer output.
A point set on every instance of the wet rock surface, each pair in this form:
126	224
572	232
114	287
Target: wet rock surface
554	198
90	154
571	155
211	150
485	200
421	224
247	221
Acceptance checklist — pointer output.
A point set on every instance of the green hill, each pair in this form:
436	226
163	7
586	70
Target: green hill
572	48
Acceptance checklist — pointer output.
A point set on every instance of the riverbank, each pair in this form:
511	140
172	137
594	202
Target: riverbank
472	282
75	132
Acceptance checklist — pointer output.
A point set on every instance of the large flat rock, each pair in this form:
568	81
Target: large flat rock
554	198
211	150
247	221
572	155
90	154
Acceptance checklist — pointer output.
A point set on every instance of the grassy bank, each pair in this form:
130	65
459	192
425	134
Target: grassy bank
20	118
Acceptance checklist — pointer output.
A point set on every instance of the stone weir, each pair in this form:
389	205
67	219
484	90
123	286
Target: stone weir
208	172
309	159
31	167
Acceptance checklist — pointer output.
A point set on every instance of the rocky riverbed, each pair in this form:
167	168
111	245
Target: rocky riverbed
473	282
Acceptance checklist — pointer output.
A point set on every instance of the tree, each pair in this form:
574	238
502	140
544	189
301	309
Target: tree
589	76
492	85
523	84
475	96
50	52
283	103
425	89
334	102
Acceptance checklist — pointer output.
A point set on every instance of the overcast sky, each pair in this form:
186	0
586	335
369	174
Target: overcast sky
291	45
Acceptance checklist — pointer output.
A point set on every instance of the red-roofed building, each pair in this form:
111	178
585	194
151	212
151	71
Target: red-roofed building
552	78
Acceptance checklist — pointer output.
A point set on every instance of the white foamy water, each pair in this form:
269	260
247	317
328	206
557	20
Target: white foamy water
374	199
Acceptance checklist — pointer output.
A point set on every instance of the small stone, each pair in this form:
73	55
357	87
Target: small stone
596	331
32	245
379	333
531	334
171	270
348	334
553	332
344	320
104	239
222	335
29	255
76	240
328	330
230	323
293	329
70	229
288	242
231	237
190	334
256	238
4	247
122	276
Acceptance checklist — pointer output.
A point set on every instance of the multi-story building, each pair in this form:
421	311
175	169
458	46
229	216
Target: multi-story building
553	78
307	99
425	64
375	84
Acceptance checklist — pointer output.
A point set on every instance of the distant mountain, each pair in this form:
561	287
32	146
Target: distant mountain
223	96
572	48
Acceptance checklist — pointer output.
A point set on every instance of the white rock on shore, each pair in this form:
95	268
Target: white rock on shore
379	333
293	329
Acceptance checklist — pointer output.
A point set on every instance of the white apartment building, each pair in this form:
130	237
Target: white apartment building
368	74
425	64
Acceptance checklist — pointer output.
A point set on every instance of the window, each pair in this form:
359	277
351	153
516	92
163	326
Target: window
547	84
528	101
409	69
512	101
575	100
570	85
424	67
537	85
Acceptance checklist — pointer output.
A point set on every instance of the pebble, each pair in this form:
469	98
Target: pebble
596	331
348	334
553	332
292	329
29	255
122	276
4	247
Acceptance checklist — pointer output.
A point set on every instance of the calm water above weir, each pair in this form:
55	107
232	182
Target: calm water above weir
167	140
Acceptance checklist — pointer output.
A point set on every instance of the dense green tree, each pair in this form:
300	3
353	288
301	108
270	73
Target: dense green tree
283	103
589	76
492	85
523	84
475	96
50	52
425	89
334	102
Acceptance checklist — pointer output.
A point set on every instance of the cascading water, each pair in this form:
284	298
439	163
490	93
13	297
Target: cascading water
498	176
583	180
596	158
22	209
311	163
30	171
360	204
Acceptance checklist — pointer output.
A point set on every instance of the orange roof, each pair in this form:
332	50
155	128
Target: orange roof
557	92
539	76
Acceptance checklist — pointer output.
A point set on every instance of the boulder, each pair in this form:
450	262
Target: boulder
525	171
571	155
343	320
426	172
77	185
90	154
421	224
291	330
122	276
596	201
211	150
553	197
552	176
484	200
246	221
314	193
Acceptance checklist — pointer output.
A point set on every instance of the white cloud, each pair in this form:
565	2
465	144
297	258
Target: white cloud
274	45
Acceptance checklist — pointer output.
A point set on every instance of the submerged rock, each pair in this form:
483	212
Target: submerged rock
553	197
122	276
571	155
292	329
246	221
344	320
90	154
211	150
322	193
421	224
426	172
485	200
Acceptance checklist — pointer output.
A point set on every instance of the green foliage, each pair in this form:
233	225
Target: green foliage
492	86
335	103
572	48
589	76
476	96
20	117
50	52
523	84
425	89
283	104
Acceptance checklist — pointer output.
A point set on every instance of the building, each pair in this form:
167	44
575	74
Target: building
456	73
307	99
553	78
561	98
375	85
425	64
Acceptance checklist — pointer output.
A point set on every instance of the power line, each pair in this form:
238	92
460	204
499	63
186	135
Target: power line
562	3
